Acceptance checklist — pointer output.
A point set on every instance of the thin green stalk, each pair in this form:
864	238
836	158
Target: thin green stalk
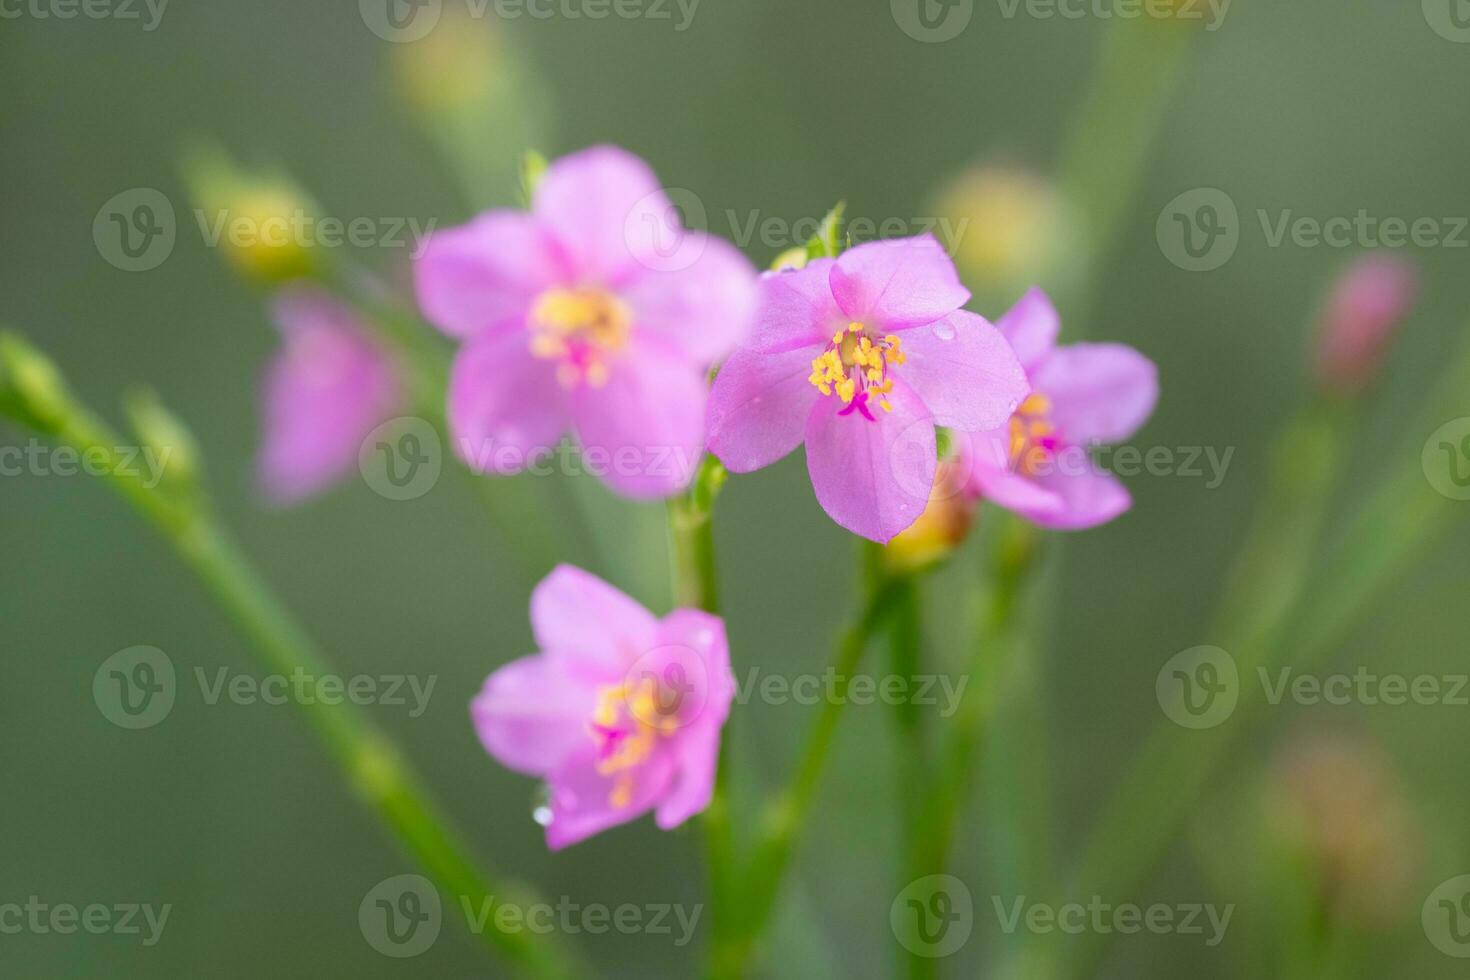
1110	138
789	812
695	579
996	651
369	760
911	755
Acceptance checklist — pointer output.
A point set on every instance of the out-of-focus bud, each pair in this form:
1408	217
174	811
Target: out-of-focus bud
1362	314
31	388
944	524
1003	226
1335	801
792	258
460	62
169	440
262	221
471	89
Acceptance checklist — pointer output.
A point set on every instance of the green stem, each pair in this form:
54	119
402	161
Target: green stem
911	755
695	579
995	654
1109	140
370	762
789	812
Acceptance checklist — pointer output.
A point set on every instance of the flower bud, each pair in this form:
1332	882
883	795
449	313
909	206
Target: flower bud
1003	227
1336	802
1361	316
161	431
942	527
260	220
460	62
31	388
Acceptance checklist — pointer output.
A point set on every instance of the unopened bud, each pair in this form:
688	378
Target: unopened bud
162	432
942	527
260	220
1362	314
31	387
1002	225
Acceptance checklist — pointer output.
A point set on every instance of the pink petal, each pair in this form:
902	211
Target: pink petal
1098	392
697	745
581	804
965	372
707	309
797	308
485	275
897	284
609	215
759	406
642	432
506	408
873	478
327	389
576	614
1031	326
532	713
1089	497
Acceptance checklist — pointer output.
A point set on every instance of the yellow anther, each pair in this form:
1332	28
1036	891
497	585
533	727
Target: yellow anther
846	390
885	406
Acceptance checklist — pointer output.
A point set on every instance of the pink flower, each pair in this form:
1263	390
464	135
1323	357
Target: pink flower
1038	464
860	358
329	387
1365	309
620	713
595	312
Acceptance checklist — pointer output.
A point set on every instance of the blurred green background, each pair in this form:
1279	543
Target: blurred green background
233	814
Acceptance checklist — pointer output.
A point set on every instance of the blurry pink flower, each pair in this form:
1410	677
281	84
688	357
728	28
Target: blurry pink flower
1037	465
860	358
591	313
1367	305
620	713
327	389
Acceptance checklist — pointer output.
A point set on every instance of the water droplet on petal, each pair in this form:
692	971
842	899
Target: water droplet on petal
944	330
541	810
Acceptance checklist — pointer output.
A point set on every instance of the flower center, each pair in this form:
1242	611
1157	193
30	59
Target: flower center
1033	436
583	329
855	367
626	725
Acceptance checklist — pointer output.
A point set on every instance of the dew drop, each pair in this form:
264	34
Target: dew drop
541	809
944	330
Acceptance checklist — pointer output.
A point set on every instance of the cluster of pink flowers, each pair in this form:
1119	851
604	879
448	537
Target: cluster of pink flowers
572	319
